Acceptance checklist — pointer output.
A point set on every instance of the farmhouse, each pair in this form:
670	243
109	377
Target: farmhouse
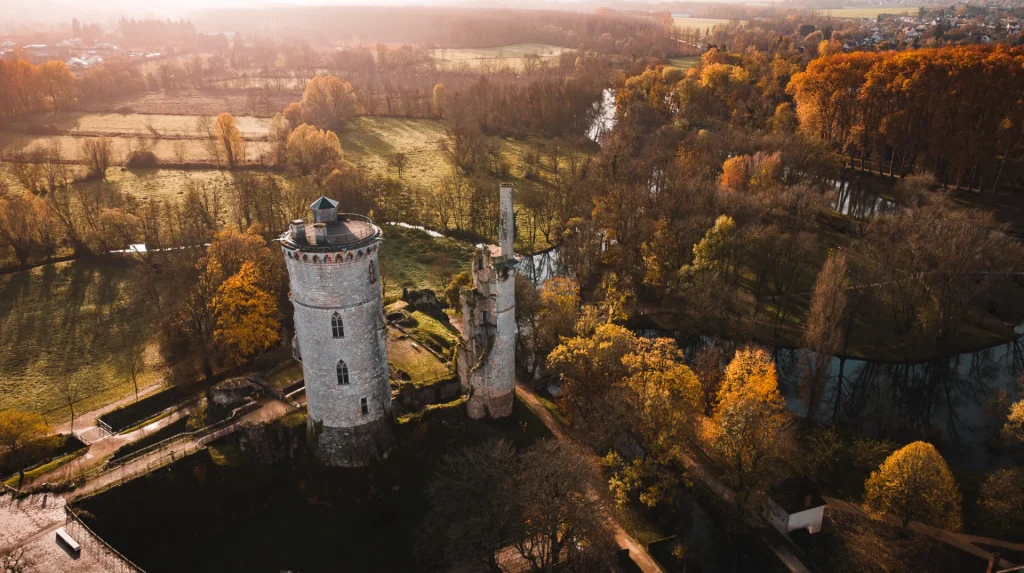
795	504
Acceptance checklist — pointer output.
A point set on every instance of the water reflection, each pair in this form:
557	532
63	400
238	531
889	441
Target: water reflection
604	119
859	203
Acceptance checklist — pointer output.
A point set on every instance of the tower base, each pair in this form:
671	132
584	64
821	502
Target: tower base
490	406
351	447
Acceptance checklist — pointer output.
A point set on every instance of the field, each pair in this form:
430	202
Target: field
410	357
869	11
413	259
685	62
701	24
71	320
513	55
79	123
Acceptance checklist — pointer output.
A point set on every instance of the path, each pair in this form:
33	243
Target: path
103	447
965	543
637	552
85	423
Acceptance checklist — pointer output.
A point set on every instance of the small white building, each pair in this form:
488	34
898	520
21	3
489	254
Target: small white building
795	504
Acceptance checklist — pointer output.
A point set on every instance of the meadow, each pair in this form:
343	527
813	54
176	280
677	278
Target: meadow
72	319
700	24
150	125
869	11
512	55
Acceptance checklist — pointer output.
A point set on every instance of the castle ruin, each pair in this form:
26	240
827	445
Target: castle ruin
486	359
340	335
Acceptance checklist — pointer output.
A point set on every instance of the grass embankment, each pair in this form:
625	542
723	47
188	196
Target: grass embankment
71	320
409	353
170	430
513	56
369	517
66	447
284	374
411	258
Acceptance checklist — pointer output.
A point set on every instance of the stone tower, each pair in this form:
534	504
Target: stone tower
487	355
340	335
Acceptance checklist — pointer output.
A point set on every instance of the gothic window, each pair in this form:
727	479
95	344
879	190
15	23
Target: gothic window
364	406
337	328
342	372
373	273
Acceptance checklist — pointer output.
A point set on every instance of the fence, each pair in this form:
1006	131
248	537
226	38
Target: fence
110	558
103	478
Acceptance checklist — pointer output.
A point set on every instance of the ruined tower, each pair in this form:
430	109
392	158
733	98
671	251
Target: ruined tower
340	335
486	358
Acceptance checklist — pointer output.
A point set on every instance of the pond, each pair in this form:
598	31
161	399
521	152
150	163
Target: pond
604	119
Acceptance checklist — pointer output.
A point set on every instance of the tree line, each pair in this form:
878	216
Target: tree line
953	111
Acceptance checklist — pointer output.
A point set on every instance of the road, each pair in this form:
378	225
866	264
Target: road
637	552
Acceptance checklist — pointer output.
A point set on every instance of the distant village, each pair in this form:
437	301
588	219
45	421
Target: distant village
938	27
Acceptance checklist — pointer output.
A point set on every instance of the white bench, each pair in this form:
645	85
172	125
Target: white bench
63	536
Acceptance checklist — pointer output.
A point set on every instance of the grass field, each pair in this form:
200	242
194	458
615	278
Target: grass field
684	63
701	24
410	357
412	258
70	320
513	55
135	124
869	11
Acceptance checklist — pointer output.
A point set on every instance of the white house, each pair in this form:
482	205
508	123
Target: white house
795	504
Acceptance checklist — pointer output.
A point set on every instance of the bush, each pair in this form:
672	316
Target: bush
142	159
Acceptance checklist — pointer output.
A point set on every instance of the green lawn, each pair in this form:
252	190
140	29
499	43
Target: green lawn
409	356
684	63
413	259
71	320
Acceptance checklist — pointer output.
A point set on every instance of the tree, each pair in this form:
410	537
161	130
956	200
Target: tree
472	505
915	484
23	435
561	517
69	388
749	431
438	99
328	103
58	84
559	311
826	323
398	161
246	315
133	360
1014	426
98	154
1002	502
229	139
662	402
312	151
19	224
734	173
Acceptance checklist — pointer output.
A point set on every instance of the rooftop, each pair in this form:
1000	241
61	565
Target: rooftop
349	231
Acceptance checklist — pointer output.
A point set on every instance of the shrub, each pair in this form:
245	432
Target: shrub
142	159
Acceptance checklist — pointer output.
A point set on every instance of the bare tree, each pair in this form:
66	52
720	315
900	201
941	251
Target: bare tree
133	360
70	390
398	161
825	322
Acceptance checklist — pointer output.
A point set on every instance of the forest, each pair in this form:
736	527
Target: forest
750	254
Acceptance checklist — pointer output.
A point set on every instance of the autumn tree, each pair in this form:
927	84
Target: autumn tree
398	161
589	366
23	436
312	151
749	431
826	322
1014	427
915	484
661	403
20	221
1002	502
58	84
438	99
229	139
328	103
98	154
246	315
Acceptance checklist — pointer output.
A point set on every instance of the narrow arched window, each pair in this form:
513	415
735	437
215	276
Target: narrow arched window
337	328
373	273
342	372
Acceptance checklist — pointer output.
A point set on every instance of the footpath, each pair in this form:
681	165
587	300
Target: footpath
637	552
